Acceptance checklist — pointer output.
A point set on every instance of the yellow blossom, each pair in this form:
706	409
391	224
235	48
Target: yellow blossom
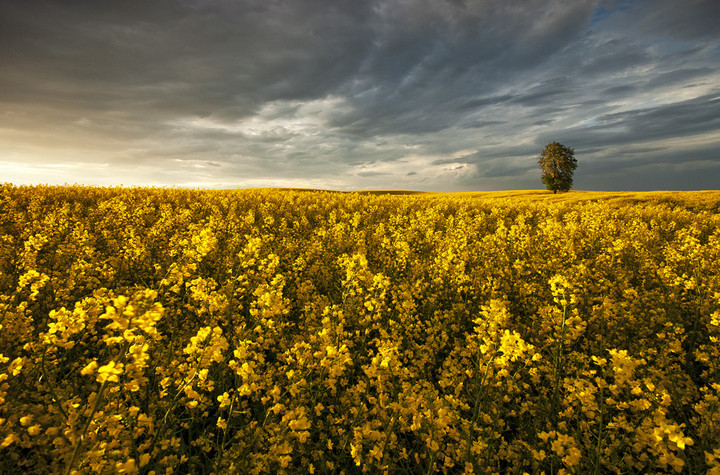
89	368
110	372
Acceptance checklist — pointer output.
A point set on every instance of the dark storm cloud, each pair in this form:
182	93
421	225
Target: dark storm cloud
618	92
421	93
202	58
686	118
614	56
692	20
674	120
680	76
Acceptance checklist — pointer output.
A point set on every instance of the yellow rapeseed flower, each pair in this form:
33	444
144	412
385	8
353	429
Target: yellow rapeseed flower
109	372
89	368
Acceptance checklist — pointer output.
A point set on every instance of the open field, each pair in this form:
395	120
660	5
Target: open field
261	331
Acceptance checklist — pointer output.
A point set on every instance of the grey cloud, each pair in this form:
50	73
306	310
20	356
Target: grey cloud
484	101
478	124
320	88
673	120
372	174
468	50
625	90
679	76
447	161
614	56
685	20
221	58
546	92
502	168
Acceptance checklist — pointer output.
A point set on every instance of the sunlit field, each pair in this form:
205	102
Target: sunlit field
287	331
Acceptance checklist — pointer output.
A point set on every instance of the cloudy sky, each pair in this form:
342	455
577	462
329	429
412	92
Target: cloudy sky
434	95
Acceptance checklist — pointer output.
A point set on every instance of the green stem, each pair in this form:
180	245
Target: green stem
55	397
558	364
98	398
598	448
81	438
221	449
175	400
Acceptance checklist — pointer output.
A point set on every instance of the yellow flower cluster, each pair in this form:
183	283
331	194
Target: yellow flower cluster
162	331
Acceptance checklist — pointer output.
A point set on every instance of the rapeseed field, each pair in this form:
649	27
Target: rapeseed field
161	331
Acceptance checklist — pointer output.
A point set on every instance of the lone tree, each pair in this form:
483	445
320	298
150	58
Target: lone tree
557	163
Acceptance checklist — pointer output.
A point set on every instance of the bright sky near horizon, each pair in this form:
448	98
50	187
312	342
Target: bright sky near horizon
432	95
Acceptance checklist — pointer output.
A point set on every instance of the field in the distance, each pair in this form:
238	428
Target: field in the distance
238	331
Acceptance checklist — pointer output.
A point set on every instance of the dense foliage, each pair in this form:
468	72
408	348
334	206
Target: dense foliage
557	163
162	331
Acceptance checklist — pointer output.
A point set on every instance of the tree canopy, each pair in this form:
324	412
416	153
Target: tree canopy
557	163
